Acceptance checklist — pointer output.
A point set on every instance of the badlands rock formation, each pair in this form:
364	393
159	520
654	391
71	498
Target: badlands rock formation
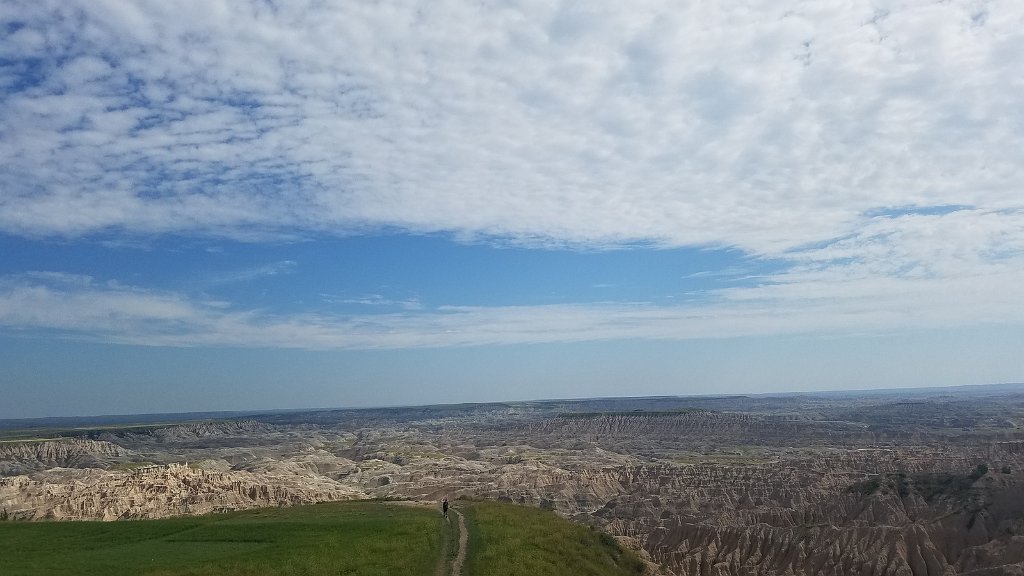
158	491
920	484
22	458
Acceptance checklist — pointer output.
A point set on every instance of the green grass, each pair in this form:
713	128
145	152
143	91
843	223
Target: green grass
450	532
365	538
359	538
509	540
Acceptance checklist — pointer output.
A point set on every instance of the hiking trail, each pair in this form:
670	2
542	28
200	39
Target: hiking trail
460	559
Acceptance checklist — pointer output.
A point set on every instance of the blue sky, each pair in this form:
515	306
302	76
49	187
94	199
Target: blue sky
258	205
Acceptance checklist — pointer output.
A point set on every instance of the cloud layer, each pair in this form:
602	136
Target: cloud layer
875	148
765	126
811	300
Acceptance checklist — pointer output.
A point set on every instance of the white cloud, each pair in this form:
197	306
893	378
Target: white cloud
243	275
789	130
376	300
764	126
811	301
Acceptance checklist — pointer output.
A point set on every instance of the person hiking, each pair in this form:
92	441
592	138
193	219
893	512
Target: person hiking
444	506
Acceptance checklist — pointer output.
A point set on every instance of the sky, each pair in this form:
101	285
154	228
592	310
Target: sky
262	205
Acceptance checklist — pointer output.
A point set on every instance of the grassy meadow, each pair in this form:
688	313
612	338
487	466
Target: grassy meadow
510	540
364	538
358	538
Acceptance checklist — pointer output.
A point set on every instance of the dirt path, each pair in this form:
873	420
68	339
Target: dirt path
463	540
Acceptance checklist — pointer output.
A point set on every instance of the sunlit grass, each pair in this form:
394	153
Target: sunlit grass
365	538
510	540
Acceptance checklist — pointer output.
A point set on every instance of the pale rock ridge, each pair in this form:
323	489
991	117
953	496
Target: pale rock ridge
25	457
208	429
159	491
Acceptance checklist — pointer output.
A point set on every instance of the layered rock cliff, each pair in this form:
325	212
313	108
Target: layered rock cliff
26	457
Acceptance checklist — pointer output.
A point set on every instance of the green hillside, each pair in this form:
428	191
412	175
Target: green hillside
359	538
365	538
509	540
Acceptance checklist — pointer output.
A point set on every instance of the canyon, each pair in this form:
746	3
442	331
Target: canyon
926	482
